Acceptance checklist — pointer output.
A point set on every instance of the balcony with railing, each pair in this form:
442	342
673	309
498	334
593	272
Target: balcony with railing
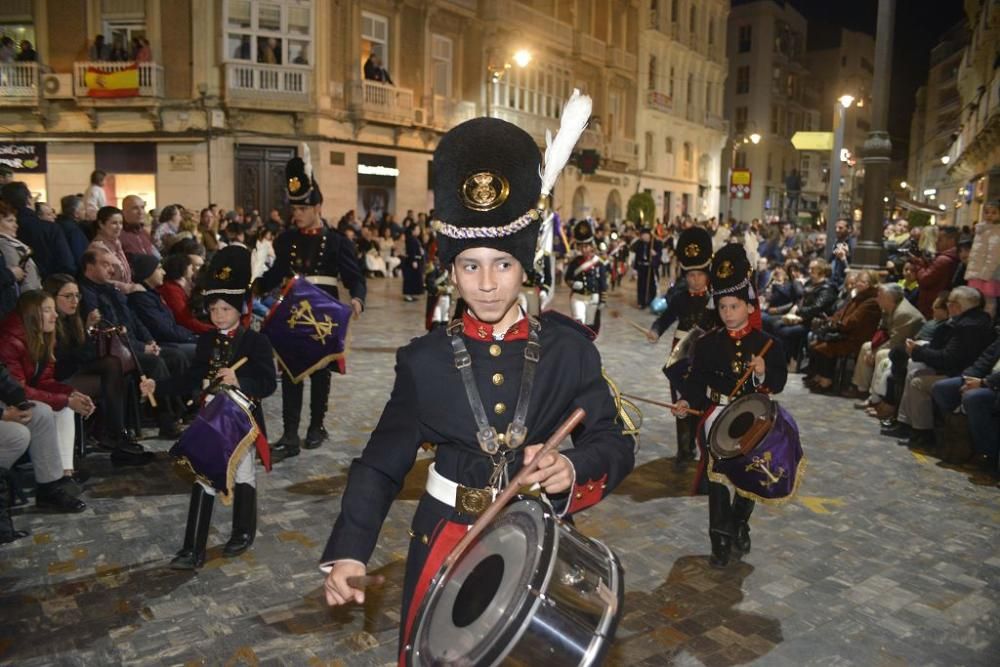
117	81
623	150
659	101
381	102
268	86
589	48
980	132
446	113
621	59
547	29
18	84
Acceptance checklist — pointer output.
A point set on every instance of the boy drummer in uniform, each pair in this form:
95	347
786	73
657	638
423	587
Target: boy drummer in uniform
721	358
487	388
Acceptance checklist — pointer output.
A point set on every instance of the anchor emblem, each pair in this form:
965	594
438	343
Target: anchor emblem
762	464
302	315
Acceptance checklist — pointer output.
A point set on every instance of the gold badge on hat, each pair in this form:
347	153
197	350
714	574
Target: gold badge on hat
691	250
294	184
725	269
484	191
223	273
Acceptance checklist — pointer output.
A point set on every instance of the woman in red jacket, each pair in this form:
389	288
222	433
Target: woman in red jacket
175	292
29	335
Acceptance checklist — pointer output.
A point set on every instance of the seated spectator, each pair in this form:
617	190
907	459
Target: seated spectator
178	280
29	427
28	353
17	255
100	294
107	235
964	250
781	296
71	222
818	299
100	378
911	288
845	332
47	243
169	227
935	276
134	237
955	346
8	288
150	308
976	393
900	320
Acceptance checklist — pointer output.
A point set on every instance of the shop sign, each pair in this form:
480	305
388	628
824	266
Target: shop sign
25	157
181	162
739	184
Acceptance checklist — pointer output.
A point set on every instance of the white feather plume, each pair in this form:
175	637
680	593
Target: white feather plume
306	159
572	123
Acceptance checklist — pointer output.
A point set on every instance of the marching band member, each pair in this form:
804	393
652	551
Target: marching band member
587	277
720	359
492	384
647	253
439	293
217	351
322	255
688	307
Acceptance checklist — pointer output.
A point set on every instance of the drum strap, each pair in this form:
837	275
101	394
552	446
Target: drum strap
486	435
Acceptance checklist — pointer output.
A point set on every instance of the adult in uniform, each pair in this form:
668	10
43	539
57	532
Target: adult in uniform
688	307
461	387
311	249
587	277
720	359
216	353
647	253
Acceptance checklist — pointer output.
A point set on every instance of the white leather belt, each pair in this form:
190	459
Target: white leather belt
465	499
716	397
323	280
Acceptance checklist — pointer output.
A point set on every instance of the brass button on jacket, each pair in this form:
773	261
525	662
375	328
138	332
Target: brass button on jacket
494	350
499	408
498	379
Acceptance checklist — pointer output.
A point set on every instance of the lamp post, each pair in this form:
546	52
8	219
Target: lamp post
833	210
521	57
752	138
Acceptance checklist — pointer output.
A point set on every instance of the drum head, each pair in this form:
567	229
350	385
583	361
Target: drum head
726	437
475	614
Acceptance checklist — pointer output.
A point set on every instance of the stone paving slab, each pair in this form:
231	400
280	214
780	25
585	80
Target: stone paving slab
885	559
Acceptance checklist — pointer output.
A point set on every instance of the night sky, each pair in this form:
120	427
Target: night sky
919	24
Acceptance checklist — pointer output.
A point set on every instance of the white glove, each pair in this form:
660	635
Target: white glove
578	284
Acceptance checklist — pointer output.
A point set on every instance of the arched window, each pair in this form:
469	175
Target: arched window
652	73
670	145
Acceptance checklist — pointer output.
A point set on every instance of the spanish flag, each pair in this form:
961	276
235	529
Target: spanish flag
112	83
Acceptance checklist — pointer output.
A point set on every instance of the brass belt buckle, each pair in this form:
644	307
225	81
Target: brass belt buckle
472	501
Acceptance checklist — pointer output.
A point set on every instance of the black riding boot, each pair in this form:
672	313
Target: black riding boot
192	554
719	524
7	531
244	520
742	508
291	410
319	398
684	453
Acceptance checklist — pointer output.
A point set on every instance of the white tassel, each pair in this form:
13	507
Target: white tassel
306	159
573	122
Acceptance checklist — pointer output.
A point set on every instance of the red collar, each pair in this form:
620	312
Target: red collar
739	334
701	293
231	333
315	231
477	330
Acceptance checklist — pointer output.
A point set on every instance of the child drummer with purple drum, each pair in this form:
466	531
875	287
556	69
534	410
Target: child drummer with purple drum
721	359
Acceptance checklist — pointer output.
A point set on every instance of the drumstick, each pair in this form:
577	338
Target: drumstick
749	370
669	406
638	326
514	486
365	581
215	383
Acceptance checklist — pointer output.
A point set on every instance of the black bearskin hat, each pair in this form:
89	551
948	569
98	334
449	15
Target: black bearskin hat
694	249
732	274
300	183
229	277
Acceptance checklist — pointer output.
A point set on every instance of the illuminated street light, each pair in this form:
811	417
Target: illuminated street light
755	138
945	159
522	57
846	101
904	185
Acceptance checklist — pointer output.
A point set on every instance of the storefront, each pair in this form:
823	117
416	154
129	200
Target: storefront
377	176
28	160
131	170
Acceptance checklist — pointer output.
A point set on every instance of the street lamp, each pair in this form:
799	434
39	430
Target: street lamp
833	212
752	138
522	58
904	185
945	159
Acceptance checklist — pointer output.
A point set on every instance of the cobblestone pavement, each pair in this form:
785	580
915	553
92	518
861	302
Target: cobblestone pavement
885	558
